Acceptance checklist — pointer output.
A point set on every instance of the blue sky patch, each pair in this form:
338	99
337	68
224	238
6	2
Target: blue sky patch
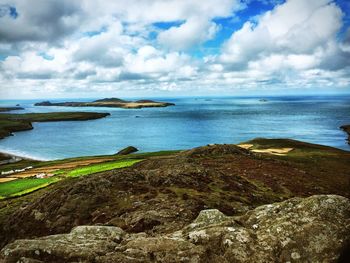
46	56
7	10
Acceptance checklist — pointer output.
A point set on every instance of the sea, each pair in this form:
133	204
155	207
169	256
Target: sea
194	121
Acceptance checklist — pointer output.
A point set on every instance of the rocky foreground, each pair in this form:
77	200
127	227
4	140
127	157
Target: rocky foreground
110	102
217	203
313	229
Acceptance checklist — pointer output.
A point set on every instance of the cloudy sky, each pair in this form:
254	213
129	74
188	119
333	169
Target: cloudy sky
97	48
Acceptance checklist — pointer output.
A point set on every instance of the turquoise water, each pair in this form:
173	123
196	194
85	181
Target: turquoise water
192	122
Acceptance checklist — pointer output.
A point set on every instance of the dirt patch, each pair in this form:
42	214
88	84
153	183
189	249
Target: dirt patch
7	179
274	151
245	146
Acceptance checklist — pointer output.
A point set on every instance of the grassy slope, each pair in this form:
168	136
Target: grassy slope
330	165
23	186
335	162
10	189
25	163
96	168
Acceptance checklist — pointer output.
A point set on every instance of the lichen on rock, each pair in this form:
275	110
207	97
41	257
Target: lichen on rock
313	229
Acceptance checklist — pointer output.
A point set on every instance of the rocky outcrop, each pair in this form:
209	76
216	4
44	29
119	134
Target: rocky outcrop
314	229
215	150
346	128
127	150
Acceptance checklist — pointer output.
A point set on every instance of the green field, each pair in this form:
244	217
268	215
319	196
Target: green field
96	168
23	186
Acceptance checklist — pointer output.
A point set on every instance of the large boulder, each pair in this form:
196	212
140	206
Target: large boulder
314	229
84	243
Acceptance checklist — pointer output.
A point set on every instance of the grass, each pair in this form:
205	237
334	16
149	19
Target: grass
20	187
96	168
23	186
25	163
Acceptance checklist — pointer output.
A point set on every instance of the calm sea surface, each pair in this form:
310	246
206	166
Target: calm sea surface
192	122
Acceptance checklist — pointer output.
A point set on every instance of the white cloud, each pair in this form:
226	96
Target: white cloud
40	20
109	46
150	11
296	27
287	43
194	31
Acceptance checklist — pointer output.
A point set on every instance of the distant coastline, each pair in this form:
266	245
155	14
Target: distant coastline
8	158
10	123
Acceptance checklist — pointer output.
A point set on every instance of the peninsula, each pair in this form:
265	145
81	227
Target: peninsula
4	109
346	128
10	123
110	102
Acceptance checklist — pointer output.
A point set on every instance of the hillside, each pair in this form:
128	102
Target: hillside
164	193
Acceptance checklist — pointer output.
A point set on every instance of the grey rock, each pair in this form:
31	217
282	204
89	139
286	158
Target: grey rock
313	229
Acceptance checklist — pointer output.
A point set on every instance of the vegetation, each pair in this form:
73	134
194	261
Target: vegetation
96	168
9	126
166	191
23	186
25	163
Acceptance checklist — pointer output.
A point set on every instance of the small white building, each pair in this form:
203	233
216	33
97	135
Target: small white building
8	172
40	176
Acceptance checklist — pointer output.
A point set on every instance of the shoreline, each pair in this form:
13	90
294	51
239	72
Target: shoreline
14	157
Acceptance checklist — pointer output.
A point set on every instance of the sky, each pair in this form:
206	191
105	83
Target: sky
155	48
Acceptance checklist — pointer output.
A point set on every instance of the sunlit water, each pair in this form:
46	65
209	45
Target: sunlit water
192	122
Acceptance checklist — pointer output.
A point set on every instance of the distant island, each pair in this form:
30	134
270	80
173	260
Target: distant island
10	123
110	102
